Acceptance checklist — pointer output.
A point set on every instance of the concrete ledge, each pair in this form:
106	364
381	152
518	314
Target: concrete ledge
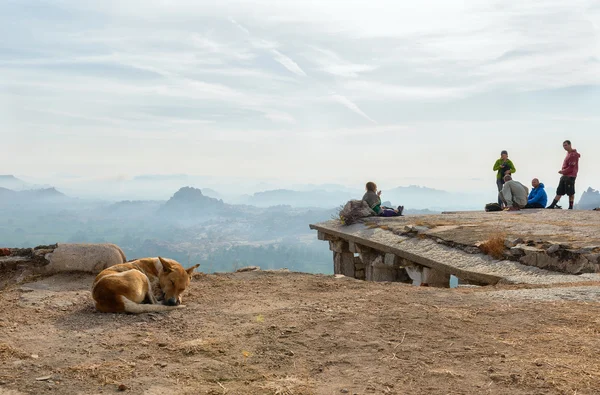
475	268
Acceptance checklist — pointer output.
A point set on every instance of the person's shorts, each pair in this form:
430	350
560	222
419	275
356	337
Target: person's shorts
566	186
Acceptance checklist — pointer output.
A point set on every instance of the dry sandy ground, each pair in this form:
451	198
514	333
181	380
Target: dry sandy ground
290	333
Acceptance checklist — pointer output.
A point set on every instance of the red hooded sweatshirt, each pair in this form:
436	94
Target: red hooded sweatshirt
570	165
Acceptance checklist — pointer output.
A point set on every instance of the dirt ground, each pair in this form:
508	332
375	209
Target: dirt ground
291	333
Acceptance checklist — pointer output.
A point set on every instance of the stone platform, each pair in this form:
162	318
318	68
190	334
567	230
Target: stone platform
528	246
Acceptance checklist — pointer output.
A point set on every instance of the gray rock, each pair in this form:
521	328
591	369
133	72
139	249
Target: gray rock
90	258
511	242
530	250
248	269
554	248
420	229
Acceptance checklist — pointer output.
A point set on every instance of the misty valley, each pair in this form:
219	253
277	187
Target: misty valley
189	227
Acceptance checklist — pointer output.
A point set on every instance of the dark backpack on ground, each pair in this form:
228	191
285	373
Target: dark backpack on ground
493	207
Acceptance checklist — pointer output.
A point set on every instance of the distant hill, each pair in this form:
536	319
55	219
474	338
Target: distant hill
11	182
589	200
314	198
190	202
211	193
45	195
412	197
419	198
6	193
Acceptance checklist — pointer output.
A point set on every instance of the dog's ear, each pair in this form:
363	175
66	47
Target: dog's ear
191	269
167	267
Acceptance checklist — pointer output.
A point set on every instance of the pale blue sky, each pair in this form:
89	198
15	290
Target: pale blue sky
398	92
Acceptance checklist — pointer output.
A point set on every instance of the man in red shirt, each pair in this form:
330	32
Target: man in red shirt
569	170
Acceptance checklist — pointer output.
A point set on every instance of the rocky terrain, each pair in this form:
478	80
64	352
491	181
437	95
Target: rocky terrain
278	332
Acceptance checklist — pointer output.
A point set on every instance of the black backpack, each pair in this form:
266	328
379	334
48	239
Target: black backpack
493	207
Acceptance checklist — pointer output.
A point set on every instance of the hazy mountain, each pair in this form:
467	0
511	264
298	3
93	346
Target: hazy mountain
46	195
189	202
236	191
589	200
189	227
211	193
11	182
314	198
263	192
411	197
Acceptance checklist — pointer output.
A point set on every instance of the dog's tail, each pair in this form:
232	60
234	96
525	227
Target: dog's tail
132	307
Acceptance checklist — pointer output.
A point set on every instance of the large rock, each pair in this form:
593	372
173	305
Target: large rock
589	200
90	258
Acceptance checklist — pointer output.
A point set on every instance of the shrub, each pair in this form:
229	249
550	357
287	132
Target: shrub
494	246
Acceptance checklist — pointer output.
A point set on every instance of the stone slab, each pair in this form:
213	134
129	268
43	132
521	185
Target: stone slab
473	267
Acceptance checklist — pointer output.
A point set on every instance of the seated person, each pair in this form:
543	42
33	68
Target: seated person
373	199
513	194
537	197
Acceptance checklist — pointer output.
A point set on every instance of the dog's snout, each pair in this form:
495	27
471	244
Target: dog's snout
172	301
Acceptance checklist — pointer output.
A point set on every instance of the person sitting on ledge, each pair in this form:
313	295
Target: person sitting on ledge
537	197
513	194
373	199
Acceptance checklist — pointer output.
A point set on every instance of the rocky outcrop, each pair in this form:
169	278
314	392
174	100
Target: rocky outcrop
56	258
589	200
89	258
545	255
190	202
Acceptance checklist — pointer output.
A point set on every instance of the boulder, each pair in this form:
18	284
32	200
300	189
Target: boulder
89	258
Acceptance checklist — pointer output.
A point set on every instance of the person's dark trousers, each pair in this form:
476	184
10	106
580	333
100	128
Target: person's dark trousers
533	205
499	184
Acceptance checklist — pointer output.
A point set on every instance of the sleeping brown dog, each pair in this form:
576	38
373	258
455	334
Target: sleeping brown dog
141	286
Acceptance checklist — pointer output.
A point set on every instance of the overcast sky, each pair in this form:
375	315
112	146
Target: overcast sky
398	92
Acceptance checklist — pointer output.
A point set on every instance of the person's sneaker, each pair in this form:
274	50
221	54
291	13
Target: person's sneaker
557	207
400	210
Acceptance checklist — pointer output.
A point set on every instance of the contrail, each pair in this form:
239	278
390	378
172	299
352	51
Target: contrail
351	106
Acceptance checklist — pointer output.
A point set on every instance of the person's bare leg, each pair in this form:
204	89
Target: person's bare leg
571	201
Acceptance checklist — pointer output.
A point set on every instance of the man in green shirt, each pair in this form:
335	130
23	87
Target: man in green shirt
503	167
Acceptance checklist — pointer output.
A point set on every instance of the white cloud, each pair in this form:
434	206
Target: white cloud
177	74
